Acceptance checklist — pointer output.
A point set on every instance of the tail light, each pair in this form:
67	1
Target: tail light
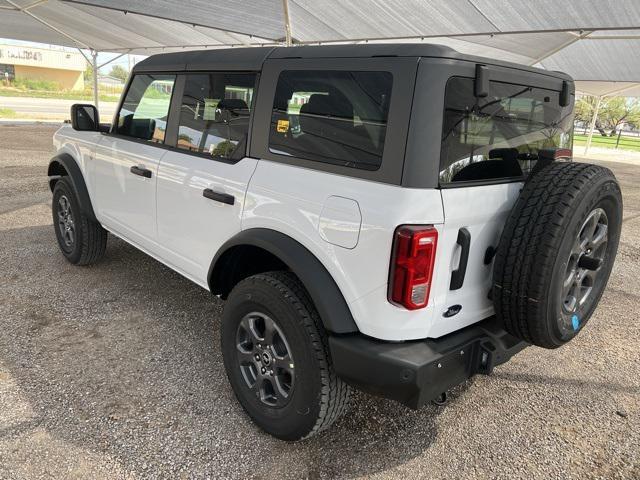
564	154
413	256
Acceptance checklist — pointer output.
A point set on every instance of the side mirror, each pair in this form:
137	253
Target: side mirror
84	117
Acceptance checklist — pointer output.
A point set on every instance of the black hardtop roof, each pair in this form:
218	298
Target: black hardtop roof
251	59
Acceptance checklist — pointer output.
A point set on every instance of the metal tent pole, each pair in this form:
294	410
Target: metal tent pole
592	125
287	23
94	62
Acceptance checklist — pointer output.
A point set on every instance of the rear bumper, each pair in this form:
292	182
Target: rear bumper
417	372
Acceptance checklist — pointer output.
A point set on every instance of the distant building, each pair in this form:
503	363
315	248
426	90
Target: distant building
109	81
64	67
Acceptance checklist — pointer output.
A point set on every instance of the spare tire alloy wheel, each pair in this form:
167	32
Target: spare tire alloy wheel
556	252
264	359
584	264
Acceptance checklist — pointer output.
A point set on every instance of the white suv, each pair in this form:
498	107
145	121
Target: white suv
392	217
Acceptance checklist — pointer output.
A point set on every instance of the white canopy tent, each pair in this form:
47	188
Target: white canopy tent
595	41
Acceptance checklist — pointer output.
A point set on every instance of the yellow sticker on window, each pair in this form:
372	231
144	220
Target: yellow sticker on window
283	126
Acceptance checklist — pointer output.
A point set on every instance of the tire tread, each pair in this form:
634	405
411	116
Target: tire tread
530	243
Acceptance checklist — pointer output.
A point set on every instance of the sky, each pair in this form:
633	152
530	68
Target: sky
102	56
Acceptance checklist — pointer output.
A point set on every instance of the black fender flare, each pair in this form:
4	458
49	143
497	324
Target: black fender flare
77	180
322	288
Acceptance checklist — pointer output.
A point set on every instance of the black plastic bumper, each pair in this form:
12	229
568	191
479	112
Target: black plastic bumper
417	372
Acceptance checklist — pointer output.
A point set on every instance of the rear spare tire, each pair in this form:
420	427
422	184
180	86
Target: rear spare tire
556	252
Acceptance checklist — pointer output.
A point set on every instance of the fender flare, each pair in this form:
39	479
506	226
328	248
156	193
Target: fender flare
322	288
77	180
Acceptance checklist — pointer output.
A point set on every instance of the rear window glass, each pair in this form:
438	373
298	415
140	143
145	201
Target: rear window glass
498	137
336	117
214	114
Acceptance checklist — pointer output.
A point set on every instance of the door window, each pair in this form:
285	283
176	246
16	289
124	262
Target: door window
214	114
336	117
145	108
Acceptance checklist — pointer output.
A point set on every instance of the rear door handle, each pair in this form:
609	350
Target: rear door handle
457	276
219	197
141	171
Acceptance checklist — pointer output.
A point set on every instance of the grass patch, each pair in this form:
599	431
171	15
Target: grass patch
7	113
64	95
626	143
35	84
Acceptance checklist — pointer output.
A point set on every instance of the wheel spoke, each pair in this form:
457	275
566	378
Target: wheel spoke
590	226
269	393
245	357
569	280
600	236
269	331
571	303
249	323
250	376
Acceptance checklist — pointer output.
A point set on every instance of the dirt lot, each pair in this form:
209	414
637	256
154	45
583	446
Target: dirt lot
114	371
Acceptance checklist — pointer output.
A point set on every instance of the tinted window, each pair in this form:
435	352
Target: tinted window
214	115
336	117
145	108
499	136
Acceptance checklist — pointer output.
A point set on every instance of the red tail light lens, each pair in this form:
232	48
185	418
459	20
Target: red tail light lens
555	153
413	257
564	153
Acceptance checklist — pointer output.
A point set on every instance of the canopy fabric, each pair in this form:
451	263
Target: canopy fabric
595	41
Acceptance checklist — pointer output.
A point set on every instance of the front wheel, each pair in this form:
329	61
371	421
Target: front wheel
81	240
277	360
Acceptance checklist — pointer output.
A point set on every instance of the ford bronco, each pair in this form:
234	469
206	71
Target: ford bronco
394	218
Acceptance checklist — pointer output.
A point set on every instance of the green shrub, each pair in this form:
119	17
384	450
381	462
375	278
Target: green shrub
36	84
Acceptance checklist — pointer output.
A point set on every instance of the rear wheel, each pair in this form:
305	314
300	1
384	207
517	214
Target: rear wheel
556	252
81	240
277	360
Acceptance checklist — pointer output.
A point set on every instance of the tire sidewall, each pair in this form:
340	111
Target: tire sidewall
603	194
64	187
298	417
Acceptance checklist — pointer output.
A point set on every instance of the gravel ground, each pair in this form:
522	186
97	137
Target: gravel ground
114	371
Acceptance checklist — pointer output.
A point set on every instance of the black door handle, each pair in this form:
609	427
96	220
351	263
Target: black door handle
457	276
219	197
143	172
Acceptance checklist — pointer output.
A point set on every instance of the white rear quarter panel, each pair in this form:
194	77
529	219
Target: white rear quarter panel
291	199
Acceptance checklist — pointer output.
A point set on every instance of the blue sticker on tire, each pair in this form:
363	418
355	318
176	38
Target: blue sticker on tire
575	322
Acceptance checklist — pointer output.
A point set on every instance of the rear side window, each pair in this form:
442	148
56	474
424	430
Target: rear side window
335	117
498	137
145	108
214	114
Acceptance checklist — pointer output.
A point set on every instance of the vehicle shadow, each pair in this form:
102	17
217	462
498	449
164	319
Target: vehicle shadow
121	359
550	381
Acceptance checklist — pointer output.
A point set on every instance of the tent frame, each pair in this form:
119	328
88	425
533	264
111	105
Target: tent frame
288	40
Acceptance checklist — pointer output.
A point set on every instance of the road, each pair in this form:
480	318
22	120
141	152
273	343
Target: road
114	371
51	108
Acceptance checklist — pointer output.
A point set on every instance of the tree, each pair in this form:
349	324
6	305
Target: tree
613	112
88	73
619	110
118	71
